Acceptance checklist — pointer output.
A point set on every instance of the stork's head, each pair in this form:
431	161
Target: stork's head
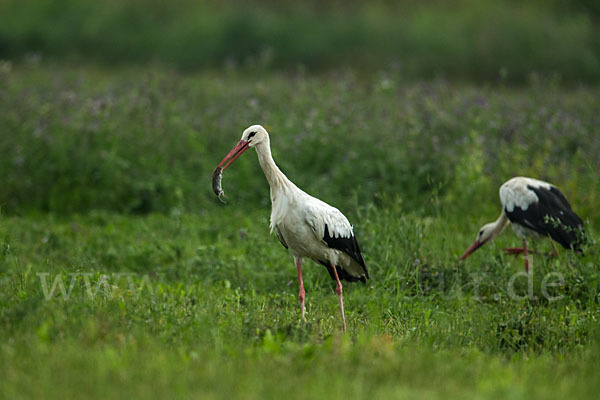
255	135
486	233
252	136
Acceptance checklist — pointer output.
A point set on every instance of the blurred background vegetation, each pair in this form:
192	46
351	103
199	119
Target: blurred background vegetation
147	141
467	39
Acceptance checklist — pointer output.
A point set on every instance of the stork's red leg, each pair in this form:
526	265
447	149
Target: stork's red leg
338	290
554	251
513	251
301	292
525	256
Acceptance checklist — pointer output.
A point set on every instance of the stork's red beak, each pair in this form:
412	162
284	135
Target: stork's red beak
471	249
237	151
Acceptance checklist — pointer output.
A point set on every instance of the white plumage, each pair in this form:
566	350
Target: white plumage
515	192
307	226
536	209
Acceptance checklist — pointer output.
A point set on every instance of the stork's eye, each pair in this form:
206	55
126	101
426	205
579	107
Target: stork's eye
481	232
251	134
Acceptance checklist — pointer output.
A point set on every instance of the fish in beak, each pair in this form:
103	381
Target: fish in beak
233	155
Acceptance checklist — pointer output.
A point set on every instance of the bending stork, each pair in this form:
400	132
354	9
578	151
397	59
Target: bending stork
306	226
536	209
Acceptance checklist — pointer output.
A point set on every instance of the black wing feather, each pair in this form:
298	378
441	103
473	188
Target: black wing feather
342	274
280	237
542	217
348	246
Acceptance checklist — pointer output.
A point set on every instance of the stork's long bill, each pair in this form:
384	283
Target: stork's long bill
237	151
472	249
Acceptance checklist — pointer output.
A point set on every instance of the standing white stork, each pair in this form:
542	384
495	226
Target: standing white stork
536	209
306	226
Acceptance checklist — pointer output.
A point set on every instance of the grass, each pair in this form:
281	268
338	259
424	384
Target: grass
107	185
214	314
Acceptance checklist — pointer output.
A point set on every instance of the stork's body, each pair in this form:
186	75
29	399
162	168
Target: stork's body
535	209
305	225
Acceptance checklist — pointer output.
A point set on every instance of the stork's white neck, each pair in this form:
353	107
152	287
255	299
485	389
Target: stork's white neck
499	225
277	179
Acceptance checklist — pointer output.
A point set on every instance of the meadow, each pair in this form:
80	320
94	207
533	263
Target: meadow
106	187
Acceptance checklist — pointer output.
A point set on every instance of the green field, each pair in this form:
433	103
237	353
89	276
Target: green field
106	187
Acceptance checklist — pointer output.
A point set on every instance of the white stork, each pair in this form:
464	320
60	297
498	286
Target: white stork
536	209
306	226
